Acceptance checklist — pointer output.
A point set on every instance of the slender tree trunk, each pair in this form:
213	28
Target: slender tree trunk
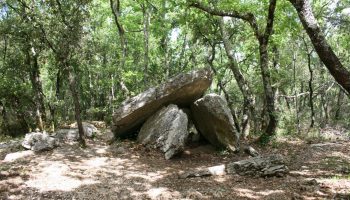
38	85
5	118
311	100
249	100
112	89
58	84
164	42
269	94
286	98
32	62
302	98
340	98
275	62
52	110
75	95
20	116
296	101
323	49
323	107
264	67
146	21
52	107
115	7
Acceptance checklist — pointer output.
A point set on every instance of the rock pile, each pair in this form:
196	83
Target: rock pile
41	141
163	116
38	141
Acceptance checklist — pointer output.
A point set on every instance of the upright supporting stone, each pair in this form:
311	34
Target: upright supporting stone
214	121
166	130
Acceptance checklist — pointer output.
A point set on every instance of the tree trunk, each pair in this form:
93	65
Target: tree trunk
269	95
146	21
115	7
73	89
249	100
32	62
38	85
264	66
323	49
5	118
311	100
324	110
337	115
296	100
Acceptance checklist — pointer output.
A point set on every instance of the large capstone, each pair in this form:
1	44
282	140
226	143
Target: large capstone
214	121
38	141
181	90
165	130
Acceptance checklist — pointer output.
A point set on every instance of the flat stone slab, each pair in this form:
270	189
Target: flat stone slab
263	166
181	90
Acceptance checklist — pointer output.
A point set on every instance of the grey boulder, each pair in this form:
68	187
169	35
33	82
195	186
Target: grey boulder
165	130
72	133
271	165
264	166
181	90
214	121
89	129
39	141
18	155
67	134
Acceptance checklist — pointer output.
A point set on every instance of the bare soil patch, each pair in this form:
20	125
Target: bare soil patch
126	170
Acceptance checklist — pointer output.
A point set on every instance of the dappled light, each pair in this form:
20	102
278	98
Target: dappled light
126	170
242	192
174	100
54	177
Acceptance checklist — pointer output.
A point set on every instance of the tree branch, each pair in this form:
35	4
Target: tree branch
245	16
270	19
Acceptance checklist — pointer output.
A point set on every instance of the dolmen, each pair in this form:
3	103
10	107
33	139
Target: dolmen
162	116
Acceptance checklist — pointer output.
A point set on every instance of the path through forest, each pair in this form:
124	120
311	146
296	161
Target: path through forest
126	170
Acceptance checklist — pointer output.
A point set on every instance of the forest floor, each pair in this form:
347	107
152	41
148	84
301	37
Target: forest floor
126	170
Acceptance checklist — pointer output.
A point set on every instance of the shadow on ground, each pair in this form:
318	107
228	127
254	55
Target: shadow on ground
126	170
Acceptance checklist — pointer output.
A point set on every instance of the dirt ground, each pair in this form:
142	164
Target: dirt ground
126	170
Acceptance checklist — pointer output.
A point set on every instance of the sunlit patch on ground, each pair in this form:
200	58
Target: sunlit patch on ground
127	171
252	194
55	176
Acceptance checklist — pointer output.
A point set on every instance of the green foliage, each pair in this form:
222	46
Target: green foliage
85	35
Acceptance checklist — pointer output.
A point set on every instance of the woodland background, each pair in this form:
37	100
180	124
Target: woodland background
64	60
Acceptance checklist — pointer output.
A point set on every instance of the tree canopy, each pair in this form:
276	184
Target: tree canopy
283	66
